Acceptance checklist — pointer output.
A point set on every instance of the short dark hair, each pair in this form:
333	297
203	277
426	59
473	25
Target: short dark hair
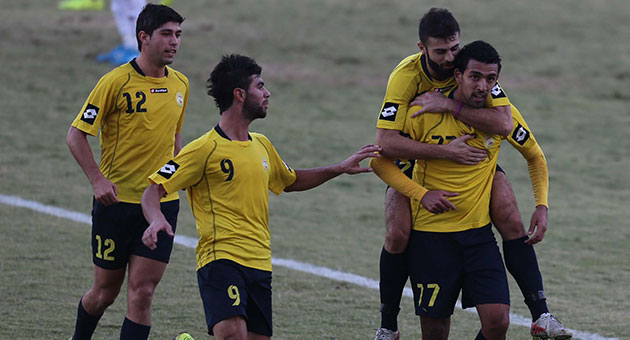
437	23
233	71
152	17
478	50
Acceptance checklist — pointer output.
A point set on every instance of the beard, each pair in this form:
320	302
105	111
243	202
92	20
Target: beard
442	72
253	110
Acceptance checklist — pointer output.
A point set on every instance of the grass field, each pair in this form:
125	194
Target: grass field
326	62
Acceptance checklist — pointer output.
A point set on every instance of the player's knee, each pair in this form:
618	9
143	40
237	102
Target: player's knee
141	295
509	224
104	298
396	239
497	324
434	328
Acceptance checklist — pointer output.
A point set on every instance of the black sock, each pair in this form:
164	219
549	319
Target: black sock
480	336
85	325
134	331
393	277
521	262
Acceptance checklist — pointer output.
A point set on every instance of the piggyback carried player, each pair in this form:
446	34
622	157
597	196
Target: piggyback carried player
428	74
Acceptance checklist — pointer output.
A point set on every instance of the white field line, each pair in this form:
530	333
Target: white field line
328	273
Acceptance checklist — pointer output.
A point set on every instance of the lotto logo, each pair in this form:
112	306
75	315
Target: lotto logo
389	112
90	113
497	90
520	134
168	169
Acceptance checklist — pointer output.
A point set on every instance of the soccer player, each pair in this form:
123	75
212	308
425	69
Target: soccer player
452	248
138	108
428	74
228	173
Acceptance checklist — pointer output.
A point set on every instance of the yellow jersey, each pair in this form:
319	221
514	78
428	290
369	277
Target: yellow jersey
228	184
473	183
138	117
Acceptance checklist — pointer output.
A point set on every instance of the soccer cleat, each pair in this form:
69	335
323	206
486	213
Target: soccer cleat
166	2
183	336
549	327
386	334
81	5
119	55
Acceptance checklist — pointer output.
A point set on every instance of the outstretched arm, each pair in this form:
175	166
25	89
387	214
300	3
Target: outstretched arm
538	174
310	178
495	120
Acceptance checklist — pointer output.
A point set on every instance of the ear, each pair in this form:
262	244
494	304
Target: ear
421	47
458	76
144	37
239	94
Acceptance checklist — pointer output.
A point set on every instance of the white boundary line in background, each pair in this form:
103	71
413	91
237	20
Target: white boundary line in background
328	273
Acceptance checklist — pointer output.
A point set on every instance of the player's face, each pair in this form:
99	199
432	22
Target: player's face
440	54
257	99
476	82
162	45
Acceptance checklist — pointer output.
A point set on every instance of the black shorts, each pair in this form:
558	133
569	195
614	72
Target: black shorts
117	233
229	289
498	168
442	264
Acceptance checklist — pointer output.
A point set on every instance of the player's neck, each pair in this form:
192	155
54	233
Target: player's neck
235	126
149	68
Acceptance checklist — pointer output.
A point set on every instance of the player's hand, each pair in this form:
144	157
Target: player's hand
150	236
462	153
351	164
436	202
430	102
537	225
105	192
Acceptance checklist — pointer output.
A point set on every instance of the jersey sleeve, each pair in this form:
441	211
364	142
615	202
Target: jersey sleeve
401	89
497	97
100	102
187	169
282	175
387	171
523	140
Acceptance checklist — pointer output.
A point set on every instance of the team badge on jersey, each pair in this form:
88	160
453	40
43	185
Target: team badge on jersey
168	169
389	112
179	98
90	113
265	164
489	142
497	91
520	134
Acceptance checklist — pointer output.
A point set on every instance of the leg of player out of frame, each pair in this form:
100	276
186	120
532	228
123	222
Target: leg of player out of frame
397	220
232	328
504	209
495	319
144	276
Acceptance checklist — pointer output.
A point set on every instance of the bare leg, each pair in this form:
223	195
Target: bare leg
233	328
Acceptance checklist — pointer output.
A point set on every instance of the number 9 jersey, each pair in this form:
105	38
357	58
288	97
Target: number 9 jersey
228	184
138	117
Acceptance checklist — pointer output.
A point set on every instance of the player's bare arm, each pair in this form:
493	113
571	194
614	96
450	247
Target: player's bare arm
152	213
496	120
396	146
310	178
105	192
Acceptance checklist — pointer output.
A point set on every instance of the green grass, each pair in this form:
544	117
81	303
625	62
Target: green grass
565	66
